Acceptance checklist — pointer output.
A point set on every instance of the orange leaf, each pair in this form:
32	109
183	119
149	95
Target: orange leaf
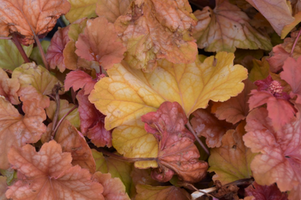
17	130
72	141
112	9
48	174
221	30
231	161
155	29
3	188
113	187
99	44
9	87
279	151
30	17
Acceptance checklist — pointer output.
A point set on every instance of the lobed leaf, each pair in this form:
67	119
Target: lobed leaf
30	17
9	88
48	174
264	192
79	79
81	9
112	9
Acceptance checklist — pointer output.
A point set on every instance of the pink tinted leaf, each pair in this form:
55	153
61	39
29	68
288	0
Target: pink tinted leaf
92	122
264	192
55	50
79	79
9	87
279	151
291	74
277	58
99	44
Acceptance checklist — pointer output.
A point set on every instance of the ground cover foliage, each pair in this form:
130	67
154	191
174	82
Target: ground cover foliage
150	99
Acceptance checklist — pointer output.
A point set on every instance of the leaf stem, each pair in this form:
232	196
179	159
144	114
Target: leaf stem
20	48
197	138
57	110
5	38
296	40
41	51
61	120
119	157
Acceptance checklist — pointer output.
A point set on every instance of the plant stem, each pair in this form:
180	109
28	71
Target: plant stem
61	120
41	51
197	138
119	157
20	48
5	38
296	40
57	110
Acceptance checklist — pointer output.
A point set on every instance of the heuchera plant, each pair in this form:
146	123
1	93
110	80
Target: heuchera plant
150	99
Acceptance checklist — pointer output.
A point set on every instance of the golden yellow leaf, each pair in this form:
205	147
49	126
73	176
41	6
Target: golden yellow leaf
80	9
127	94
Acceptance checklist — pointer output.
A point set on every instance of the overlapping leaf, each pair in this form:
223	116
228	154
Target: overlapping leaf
29	18
221	30
35	81
280	151
112	9
10	57
3	188
17	130
9	88
113	187
231	161
81	9
265	192
74	142
153	29
128	94
99	44
79	79
54	55
48	174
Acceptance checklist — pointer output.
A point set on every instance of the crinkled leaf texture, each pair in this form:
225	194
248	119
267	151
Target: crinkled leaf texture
29	17
279	151
277	12
155	29
99	44
112	9
74	142
17	130
291	70
127	94
113	187
10	57
226	28
265	192
54	55
206	124
49	174
231	161
148	192
177	152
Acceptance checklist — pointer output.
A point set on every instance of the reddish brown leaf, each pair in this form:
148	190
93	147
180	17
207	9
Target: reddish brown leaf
30	17
54	55
279	151
79	79
207	125
92	122
291	74
113	187
177	152
265	192
236	108
111	9
3	188
99	44
17	130
9	87
72	141
48	174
